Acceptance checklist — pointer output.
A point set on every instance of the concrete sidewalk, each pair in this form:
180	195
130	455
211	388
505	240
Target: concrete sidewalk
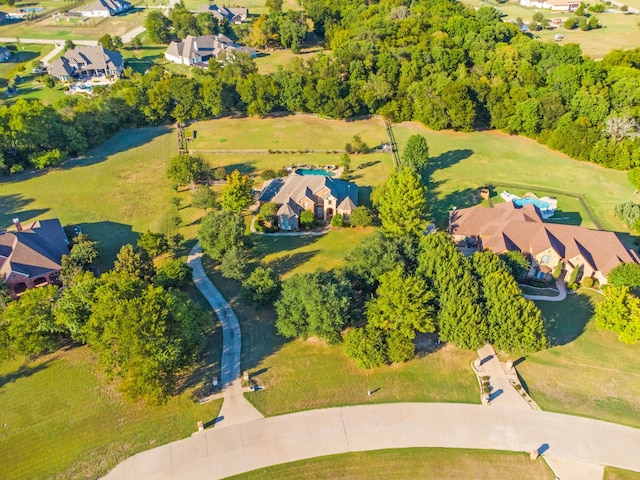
218	453
502	392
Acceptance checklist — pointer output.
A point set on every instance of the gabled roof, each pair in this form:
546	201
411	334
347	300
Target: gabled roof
298	187
86	58
507	227
34	251
347	205
111	6
204	46
290	209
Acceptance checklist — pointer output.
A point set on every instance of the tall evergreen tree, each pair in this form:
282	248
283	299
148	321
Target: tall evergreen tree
416	153
403	205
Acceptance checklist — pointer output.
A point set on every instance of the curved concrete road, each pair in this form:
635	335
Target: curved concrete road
218	453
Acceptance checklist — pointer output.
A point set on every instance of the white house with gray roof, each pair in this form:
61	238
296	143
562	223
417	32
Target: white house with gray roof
103	8
198	50
235	15
324	196
86	62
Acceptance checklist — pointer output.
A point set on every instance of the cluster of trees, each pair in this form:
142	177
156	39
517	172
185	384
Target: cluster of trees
628	213
440	63
620	313
142	328
278	29
401	281
181	22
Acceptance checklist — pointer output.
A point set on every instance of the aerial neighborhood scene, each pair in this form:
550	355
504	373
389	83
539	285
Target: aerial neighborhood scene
320	239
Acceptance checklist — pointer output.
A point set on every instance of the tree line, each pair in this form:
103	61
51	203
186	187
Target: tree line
440	63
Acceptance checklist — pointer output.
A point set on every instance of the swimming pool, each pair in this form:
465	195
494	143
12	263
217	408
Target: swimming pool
314	171
541	204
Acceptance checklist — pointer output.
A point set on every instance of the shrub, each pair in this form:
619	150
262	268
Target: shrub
587	282
366	346
361	217
268	212
574	275
219	173
307	219
173	274
628	213
337	220
485	378
557	271
262	286
571	23
268	174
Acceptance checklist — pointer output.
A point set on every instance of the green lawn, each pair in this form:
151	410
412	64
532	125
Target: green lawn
256	7
620	31
114	193
611	473
442	463
61	419
588	372
292	132
461	163
268	62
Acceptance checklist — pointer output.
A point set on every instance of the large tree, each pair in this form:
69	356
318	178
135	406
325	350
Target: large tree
415	154
403	205
220	231
185	169
314	304
403	304
620	313
236	194
157	26
625	275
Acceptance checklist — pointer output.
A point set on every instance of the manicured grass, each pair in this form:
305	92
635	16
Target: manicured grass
292	132
268	62
588	372
255	7
61	419
611	473
114	193
70	28
547	292
23	55
143	58
442	463
461	163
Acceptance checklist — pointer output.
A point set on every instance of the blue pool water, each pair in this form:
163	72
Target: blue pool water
541	204
310	171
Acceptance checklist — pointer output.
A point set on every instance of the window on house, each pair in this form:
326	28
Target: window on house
546	259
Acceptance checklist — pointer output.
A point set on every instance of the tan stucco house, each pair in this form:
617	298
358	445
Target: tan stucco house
509	228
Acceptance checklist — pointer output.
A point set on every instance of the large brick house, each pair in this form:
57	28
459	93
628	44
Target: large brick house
324	196
509	228
199	50
31	256
85	62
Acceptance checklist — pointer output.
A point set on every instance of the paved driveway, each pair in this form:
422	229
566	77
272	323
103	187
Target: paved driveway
218	453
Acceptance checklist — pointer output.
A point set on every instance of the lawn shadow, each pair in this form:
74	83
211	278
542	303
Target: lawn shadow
288	262
441	206
566	320
23	372
364	196
13	206
427	343
565	218
111	236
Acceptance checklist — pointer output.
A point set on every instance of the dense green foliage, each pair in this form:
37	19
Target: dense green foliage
314	304
439	62
236	194
629	214
185	169
203	197
262	286
135	262
625	275
235	263
367	346
403	205
173	274
220	231
155	243
361	217
416	153
620	313
83	253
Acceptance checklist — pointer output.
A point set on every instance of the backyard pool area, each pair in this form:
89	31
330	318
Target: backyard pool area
546	205
314	171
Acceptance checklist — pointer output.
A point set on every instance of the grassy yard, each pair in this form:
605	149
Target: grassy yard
461	163
268	62
587	372
442	463
611	473
620	31
114	193
256	7
63	420
292	132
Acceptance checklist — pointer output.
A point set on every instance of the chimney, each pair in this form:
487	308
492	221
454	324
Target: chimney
16	222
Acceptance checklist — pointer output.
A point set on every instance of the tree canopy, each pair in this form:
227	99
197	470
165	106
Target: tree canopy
415	154
403	205
236	194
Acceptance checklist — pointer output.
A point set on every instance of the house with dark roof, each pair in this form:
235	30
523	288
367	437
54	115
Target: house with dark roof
324	196
31	256
85	62
507	227
102	8
235	15
554	5
198	50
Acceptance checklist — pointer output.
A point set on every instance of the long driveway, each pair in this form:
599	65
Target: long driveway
217	453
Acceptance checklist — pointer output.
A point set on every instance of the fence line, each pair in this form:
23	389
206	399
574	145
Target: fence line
392	142
245	151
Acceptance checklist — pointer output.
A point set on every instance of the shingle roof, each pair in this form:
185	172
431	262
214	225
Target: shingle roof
86	58
111	6
298	187
506	227
34	251
206	45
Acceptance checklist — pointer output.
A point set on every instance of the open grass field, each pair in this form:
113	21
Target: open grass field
63	420
114	193
441	463
291	132
72	28
256	7
611	473
619	30
587	372
461	163
268	62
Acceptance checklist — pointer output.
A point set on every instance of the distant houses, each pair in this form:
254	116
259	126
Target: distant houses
86	62
324	196
235	15
554	5
198	50
102	8
31	256
509	228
